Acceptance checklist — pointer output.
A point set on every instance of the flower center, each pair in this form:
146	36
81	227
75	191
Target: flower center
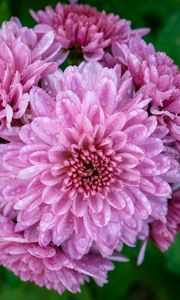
89	172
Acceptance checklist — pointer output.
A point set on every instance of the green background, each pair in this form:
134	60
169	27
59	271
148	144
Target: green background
158	278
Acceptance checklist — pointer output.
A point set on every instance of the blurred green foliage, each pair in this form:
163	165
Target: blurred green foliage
158	278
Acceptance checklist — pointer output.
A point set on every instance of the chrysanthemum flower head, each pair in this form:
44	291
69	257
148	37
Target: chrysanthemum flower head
47	266
164	234
87	172
159	76
21	66
81	29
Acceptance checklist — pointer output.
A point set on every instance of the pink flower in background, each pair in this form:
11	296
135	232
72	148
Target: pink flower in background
81	29
88	171
21	67
159	76
43	48
164	234
47	266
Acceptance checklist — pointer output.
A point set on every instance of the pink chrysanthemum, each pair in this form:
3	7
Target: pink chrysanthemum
21	67
47	266
88	171
159	76
163	234
82	29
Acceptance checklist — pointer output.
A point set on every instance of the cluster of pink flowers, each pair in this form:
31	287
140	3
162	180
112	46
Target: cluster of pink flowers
90	155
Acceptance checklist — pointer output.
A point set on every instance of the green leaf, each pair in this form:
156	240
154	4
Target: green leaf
5	12
119	282
84	294
29	291
168	39
173	256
